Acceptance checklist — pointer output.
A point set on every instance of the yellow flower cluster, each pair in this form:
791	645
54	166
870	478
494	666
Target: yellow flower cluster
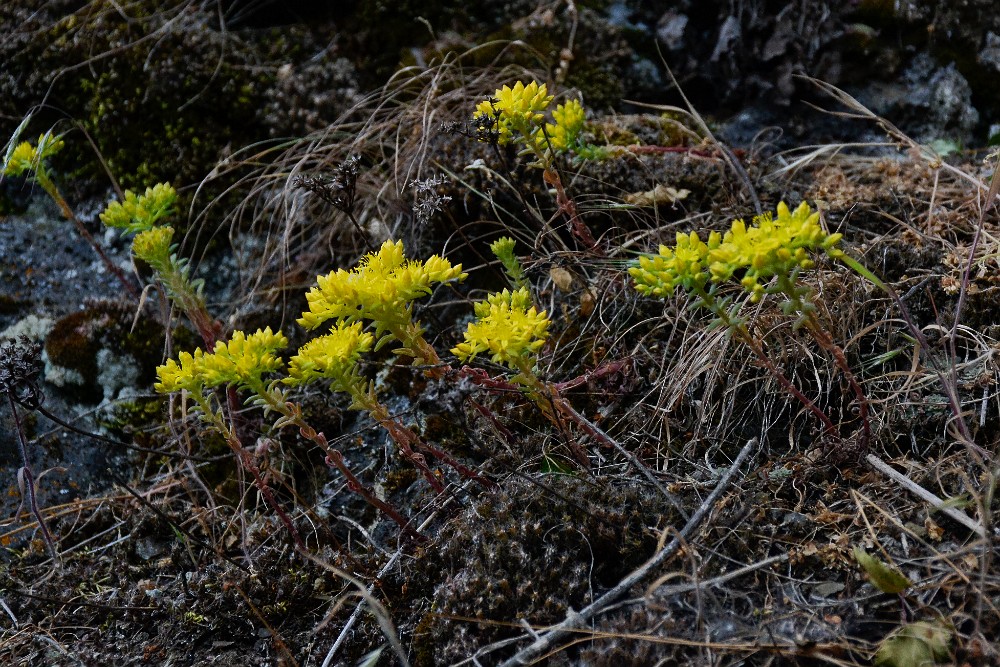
564	134
770	246
509	327
139	213
242	361
685	265
154	246
26	157
183	376
333	356
516	110
380	289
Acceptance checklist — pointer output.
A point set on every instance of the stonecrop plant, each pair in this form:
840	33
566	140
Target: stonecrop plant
512	331
519	115
249	363
141	214
23	159
766	257
381	290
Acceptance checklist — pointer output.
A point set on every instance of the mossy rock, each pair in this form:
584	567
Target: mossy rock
96	352
162	90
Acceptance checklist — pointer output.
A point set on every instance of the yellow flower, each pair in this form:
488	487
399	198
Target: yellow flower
683	266
379	289
771	246
243	360
140	212
509	327
154	246
515	110
183	376
26	157
333	356
564	134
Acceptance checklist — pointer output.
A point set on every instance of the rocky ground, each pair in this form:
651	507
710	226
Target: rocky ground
881	115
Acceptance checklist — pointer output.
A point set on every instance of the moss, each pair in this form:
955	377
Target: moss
399	480
529	551
75	341
162	91
133	416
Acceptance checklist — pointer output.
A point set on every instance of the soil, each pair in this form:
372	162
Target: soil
164	550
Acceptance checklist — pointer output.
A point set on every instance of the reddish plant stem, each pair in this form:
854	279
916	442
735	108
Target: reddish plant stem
546	397
785	383
291	413
247	463
406	439
824	341
336	459
53	192
741	332
409	442
568	208
462	469
599	372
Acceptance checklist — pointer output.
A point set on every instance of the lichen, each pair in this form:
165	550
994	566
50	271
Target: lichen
99	346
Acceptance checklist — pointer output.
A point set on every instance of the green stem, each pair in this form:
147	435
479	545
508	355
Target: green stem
411	336
180	290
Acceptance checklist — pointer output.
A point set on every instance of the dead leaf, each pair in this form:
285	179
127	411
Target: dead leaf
661	194
588	302
934	531
562	278
827	516
920	643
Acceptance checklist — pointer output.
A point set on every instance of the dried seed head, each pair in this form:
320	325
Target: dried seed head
20	368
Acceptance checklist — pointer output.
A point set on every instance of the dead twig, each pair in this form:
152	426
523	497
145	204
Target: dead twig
924	494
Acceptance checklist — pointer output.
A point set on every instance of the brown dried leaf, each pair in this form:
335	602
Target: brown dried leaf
661	194
562	278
